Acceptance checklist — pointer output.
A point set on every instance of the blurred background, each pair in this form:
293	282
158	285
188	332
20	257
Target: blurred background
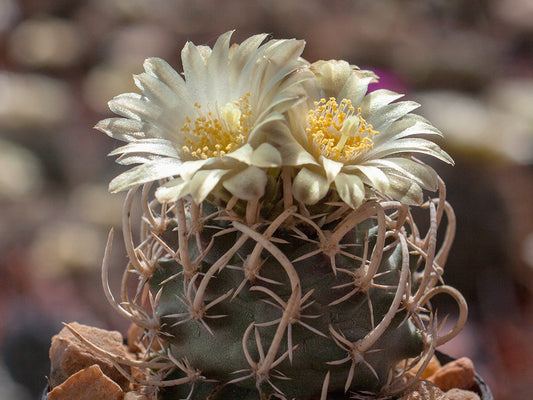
469	62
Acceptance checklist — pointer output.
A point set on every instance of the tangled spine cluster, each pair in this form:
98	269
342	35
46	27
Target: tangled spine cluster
298	306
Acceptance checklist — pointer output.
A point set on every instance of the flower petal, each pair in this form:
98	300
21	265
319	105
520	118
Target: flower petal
373	176
266	156
168	75
130	159
404	190
422	173
244	58
409	125
195	71
292	152
390	113
203	182
218	60
172	190
264	127
407	146
151	171
331	167
189	168
355	88
375	100
242	154
134	106
124	129
331	75
309	186
350	189
159	147
248	184
156	90
410	168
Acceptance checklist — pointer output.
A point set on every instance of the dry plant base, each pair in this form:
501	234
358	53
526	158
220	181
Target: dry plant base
287	305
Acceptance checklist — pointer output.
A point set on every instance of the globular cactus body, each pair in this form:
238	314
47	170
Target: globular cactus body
222	337
294	306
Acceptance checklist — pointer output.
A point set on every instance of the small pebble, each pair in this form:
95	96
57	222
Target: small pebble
461	394
33	102
430	369
135	396
424	390
68	355
456	374
46	43
88	384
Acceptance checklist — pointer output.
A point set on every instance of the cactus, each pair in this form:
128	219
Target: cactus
273	272
290	307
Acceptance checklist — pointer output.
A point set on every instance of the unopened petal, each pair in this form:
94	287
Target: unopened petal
248	184
350	189
309	187
266	156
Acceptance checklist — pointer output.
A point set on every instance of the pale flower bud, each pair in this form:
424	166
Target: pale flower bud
332	74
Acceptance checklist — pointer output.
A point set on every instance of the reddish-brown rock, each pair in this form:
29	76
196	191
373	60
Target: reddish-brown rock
69	355
88	384
432	367
456	374
424	390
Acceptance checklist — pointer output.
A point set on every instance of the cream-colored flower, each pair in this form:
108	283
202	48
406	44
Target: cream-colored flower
346	139
208	128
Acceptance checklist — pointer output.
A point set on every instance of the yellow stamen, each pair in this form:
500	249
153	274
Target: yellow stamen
337	131
216	132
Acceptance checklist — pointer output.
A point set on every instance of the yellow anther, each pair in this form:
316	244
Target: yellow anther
225	127
335	131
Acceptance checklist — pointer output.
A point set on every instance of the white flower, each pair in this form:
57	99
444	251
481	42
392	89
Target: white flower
208	128
346	139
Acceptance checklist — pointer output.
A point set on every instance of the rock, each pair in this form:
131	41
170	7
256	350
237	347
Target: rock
9	12
513	95
21	172
46	43
99	206
68	355
431	368
66	247
134	335
517	15
130	45
105	81
456	374
452	111
31	102
135	396
461	394
424	390
88	384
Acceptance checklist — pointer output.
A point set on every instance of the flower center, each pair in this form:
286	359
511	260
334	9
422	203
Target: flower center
338	132
214	133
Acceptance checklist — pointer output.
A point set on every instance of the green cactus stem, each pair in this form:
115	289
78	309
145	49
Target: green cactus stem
295	306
